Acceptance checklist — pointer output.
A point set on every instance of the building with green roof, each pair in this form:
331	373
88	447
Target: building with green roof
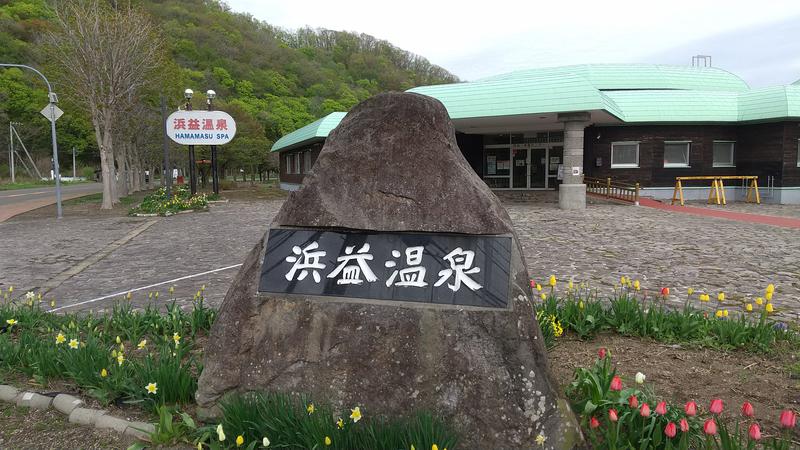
546	128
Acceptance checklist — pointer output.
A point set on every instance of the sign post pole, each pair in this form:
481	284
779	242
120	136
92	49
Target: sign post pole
166	173
214	175
192	177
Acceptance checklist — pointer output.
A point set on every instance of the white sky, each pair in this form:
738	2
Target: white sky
757	40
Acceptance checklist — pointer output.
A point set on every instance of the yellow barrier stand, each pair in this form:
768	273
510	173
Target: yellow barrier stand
717	192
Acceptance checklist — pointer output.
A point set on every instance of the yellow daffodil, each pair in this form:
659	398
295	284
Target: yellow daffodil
769	308
172	289
355	414
538	287
220	433
103	373
580	304
113	353
177	338
689	291
141	344
73	344
11	322
434	447
328	440
199	446
543	296
121	347
203	287
151	388
118	340
721	296
724	313
718	314
412	447
120	358
310	408
340	423
622	280
156	294
10	289
768	296
570	285
748	307
52	303
60	339
552	281
540	440
149	295
770	287
30	295
759	301
265	442
637	285
129	296
557	329
239	440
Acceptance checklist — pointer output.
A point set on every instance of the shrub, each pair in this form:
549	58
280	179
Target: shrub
159	203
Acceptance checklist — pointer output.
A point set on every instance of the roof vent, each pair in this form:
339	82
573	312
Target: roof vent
701	61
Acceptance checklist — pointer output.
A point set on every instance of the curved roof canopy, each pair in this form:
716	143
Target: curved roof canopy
612	93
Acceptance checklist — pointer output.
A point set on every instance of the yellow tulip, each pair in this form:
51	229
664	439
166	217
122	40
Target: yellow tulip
759	301
768	296
721	296
538	287
725	313
637	285
328	440
769	308
690	291
749	307
543	296
552	281
719	313
570	285
239	440
770	287
622	280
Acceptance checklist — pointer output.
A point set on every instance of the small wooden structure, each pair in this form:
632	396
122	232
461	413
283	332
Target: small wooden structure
607	188
717	192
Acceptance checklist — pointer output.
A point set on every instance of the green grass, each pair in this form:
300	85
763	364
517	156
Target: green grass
34	184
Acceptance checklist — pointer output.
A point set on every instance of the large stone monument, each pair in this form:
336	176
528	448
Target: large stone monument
393	279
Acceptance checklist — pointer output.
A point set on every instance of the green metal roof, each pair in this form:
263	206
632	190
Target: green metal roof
317	130
638	76
662	106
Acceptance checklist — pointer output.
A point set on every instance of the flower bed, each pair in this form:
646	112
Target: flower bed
158	202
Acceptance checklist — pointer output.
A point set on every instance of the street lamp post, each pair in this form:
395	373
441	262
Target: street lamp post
53	99
210	95
192	178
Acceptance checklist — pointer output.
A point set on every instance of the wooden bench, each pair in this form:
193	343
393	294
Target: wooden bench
717	192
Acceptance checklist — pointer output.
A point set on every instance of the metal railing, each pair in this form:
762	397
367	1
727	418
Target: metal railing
608	188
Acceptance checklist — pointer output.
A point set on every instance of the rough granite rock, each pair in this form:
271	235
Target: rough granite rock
393	165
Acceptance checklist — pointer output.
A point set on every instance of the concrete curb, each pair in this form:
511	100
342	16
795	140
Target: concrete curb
73	408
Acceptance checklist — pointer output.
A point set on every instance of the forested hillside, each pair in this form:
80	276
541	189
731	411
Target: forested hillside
272	80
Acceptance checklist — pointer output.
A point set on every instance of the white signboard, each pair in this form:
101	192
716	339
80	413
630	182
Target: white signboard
201	127
46	111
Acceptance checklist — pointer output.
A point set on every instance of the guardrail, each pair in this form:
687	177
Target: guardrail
608	188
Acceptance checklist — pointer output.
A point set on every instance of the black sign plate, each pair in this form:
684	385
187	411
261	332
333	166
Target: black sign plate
444	269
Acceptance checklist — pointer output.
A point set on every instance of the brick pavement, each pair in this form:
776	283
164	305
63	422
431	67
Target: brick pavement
597	245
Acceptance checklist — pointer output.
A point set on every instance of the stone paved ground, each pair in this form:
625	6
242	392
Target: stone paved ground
597	245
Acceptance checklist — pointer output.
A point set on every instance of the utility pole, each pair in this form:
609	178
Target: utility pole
166	174
192	177
74	172
214	176
11	150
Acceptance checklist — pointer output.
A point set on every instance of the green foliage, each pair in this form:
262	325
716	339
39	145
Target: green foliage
156	348
159	203
290	421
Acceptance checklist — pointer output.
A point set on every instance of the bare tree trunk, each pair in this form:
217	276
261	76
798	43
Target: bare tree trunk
122	179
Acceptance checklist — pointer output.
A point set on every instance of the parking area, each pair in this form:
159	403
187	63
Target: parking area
79	260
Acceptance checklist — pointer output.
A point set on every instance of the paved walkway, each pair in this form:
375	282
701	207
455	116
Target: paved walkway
777	221
82	259
18	201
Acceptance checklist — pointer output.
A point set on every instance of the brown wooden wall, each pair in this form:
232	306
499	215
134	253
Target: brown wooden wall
791	140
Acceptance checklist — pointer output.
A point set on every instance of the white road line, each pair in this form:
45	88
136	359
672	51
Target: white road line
117	294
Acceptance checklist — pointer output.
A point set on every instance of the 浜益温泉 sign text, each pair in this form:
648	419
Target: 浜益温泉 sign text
201	127
448	269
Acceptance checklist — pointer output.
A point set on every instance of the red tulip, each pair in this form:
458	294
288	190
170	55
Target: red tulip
710	427
670	430
747	409
788	419
684	425
716	406
616	384
594	423
661	408
533	284
691	408
612	415
645	411
601	353
754	432
633	402
665	291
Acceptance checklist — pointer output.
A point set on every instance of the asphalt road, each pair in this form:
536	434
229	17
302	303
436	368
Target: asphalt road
18	201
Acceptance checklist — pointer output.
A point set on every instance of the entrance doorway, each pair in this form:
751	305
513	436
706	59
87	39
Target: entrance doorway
533	166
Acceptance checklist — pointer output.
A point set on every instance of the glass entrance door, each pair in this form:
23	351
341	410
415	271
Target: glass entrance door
538	168
519	161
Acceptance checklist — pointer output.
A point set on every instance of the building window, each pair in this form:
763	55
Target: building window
798	153
306	162
296	164
723	154
288	159
676	153
624	154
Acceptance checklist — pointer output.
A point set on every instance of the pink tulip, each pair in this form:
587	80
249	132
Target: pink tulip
670	430
661	408
533	284
594	423
633	402
616	384
788	419
754	432
612	415
684	425
645	411
716	406
601	353
691	409
710	427
747	409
